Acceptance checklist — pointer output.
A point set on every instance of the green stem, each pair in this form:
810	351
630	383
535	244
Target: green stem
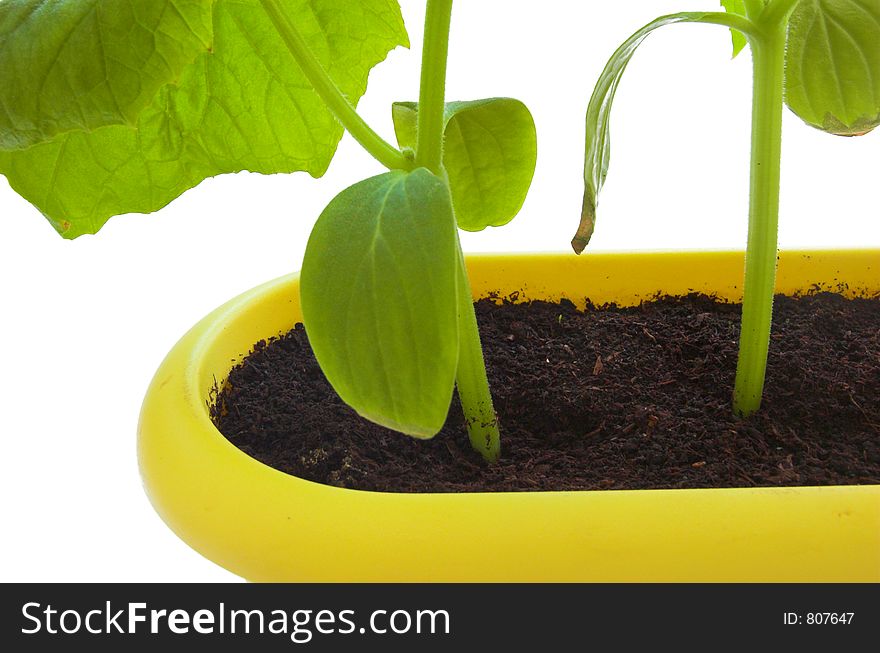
754	8
471	379
768	54
432	89
326	88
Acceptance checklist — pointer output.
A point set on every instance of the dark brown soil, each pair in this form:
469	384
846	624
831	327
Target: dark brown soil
607	398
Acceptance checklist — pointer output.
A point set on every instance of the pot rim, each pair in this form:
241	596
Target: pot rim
187	478
215	327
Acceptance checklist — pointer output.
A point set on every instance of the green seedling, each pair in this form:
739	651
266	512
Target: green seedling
111	107
822	58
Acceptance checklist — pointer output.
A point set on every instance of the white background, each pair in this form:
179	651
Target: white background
86	323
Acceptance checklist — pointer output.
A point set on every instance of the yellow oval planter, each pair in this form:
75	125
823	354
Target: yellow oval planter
268	526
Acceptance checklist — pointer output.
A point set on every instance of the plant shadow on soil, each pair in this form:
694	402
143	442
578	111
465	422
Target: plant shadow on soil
604	398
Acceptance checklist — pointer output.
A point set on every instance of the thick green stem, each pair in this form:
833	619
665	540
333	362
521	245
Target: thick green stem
326	88
471	379
768	54
432	89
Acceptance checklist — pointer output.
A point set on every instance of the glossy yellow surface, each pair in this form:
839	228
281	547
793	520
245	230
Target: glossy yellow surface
267	526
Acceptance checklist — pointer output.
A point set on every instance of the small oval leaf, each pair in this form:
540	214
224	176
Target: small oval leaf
832	65
490	151
378	292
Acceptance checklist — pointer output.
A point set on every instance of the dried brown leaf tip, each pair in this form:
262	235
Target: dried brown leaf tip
587	225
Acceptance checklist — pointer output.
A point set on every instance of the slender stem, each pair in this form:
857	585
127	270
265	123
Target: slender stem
471	379
429	143
768	54
326	88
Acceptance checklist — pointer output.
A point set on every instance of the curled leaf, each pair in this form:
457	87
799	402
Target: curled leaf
598	141
587	224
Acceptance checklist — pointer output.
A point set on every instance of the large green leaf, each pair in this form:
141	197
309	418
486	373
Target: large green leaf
737	7
832	65
598	141
244	106
378	292
86	64
489	152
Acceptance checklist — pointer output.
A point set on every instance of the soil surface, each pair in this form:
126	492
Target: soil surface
606	398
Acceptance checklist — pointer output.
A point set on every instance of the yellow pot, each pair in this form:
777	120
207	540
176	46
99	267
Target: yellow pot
265	525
